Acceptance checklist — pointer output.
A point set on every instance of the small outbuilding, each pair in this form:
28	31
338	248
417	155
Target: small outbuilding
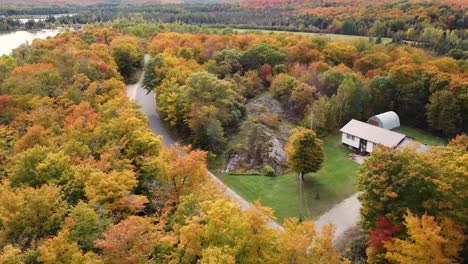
363	137
387	120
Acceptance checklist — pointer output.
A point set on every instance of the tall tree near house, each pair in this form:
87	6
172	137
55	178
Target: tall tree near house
443	112
383	93
321	116
305	154
332	80
349	99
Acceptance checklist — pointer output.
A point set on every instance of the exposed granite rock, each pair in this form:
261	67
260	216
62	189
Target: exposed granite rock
265	104
264	145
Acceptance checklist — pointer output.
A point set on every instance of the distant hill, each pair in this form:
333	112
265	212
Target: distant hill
334	3
81	2
91	2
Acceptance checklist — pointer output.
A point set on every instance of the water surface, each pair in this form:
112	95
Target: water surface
12	40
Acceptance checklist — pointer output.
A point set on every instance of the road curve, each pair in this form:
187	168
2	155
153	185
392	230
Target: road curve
147	101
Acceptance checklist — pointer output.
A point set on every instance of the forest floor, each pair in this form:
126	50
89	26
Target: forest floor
333	183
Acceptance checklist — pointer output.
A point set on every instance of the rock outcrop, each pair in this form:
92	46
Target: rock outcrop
262	142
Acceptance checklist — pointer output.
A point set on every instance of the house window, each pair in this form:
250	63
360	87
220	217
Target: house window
351	137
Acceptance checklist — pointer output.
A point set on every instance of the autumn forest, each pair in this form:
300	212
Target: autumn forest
239	98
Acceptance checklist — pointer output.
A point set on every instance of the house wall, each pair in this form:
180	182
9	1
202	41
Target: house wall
370	146
350	142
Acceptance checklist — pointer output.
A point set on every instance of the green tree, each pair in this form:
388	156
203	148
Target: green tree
86	226
152	77
206	88
37	166
229	60
27	213
348	100
332	80
128	55
305	154
443	113
207	130
379	29
383	94
282	86
213	104
261	54
322	117
7	63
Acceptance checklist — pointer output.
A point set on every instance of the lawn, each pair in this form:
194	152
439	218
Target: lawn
333	183
328	36
421	136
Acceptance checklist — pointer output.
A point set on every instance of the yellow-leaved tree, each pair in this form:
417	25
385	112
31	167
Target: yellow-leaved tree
429	242
300	243
60	250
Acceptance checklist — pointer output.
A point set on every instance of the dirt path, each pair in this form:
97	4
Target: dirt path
343	215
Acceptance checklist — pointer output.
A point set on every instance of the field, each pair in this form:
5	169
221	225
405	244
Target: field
333	183
422	136
331	37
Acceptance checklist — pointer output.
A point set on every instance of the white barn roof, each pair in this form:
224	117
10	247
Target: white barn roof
372	133
388	120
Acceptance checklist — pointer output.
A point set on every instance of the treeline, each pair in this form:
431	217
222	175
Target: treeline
13	10
431	24
9	24
84	180
203	82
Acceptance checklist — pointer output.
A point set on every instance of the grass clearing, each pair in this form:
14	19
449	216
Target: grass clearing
328	36
334	182
421	136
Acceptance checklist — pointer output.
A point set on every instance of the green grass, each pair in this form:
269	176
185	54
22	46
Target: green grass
328	36
421	136
333	182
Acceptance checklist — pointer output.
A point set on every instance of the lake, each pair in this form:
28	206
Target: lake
12	40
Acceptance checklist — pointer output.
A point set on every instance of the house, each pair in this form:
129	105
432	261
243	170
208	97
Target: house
363	137
387	120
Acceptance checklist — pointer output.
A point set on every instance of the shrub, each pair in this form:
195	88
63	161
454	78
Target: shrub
269	171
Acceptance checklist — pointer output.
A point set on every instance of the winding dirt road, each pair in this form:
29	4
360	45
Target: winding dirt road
344	215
